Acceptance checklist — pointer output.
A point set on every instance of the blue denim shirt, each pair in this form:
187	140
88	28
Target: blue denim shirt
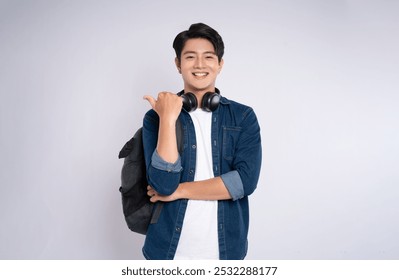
236	156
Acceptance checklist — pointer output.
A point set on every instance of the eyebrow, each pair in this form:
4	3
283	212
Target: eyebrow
193	52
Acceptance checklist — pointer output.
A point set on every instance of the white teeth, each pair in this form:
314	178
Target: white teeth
200	74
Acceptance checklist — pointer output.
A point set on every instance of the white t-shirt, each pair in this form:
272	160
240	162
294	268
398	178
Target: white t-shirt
199	235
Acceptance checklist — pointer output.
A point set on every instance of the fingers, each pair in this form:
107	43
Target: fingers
150	191
152	194
167	105
150	100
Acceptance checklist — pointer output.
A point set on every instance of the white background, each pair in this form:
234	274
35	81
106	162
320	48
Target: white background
322	77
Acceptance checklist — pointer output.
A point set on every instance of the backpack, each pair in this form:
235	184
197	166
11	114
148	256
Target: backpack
138	210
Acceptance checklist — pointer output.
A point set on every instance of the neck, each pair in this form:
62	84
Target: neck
200	93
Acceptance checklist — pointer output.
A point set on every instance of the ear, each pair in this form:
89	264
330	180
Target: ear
177	62
221	63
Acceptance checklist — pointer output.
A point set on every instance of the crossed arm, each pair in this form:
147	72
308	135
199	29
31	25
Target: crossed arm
211	189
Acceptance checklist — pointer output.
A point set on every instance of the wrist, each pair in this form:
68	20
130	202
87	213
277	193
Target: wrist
168	120
181	191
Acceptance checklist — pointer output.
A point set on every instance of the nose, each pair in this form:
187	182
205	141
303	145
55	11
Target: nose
199	63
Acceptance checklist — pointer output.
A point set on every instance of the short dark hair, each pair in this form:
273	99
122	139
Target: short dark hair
199	30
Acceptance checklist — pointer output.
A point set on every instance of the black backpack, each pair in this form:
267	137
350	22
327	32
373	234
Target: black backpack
138	210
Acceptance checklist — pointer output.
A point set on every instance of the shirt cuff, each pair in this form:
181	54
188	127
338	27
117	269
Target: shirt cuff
233	183
158	163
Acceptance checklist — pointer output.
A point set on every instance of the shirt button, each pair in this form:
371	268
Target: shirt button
178	229
193	146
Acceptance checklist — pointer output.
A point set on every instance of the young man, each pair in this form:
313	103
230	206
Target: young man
206	187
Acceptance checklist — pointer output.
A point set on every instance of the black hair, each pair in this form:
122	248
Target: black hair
199	30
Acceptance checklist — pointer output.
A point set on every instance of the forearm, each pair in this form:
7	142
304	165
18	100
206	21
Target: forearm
211	189
167	145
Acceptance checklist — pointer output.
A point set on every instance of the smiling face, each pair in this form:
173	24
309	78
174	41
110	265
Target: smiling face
199	66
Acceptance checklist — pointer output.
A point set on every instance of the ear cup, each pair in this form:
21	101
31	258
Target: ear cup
190	102
210	101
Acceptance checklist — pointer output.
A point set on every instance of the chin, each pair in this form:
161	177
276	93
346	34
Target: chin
201	88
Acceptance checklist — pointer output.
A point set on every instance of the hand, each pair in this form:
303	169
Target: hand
157	197
168	105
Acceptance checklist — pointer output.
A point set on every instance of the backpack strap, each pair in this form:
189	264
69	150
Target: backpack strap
157	212
179	136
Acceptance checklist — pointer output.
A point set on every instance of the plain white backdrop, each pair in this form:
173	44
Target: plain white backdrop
322	77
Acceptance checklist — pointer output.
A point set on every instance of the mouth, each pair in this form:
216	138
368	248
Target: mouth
200	74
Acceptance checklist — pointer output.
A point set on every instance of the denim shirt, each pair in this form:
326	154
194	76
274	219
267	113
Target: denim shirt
236	156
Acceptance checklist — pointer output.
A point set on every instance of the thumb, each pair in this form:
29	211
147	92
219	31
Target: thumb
150	100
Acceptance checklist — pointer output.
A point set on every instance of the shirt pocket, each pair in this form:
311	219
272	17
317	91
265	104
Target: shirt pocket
231	135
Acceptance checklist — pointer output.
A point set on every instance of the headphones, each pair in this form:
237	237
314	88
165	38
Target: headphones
210	101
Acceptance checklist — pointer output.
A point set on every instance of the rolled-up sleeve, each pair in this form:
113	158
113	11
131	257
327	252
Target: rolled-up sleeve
159	163
233	183
164	176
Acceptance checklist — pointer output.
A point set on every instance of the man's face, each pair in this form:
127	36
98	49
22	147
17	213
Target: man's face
199	66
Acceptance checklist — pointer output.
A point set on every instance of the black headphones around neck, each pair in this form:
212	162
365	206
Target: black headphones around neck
209	103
